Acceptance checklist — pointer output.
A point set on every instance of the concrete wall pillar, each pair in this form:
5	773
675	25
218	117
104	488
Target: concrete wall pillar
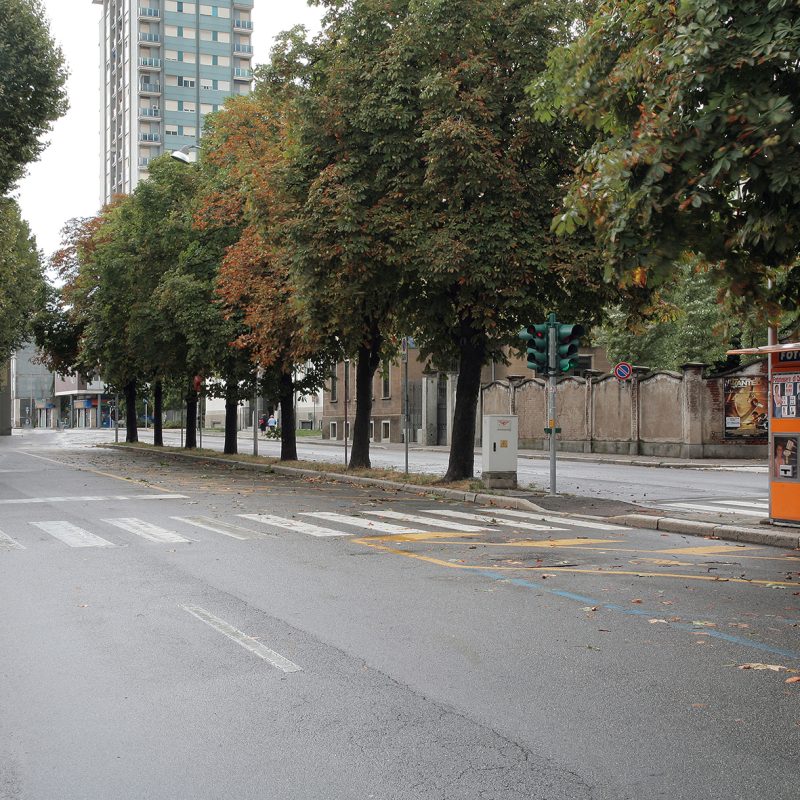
429	398
692	410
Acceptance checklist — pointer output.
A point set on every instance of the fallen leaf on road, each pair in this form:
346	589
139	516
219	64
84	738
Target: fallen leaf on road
771	667
739	625
793	679
701	623
699	705
654	621
589	608
636	601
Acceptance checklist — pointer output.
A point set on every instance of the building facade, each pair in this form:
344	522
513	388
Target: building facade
165	65
431	396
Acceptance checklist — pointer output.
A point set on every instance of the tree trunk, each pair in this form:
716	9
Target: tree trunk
368	362
288	432
131	430
191	417
231	416
462	443
158	414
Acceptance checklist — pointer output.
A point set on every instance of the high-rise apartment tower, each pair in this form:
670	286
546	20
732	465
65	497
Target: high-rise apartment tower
164	65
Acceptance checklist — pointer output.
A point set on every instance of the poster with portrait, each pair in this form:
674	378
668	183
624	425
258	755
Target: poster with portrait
785	393
746	403
784	458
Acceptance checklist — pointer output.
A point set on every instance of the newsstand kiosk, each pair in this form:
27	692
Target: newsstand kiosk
784	429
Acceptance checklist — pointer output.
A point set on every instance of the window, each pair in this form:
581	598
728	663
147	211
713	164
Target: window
186	106
334	389
187	83
171	130
386	382
386	430
334	432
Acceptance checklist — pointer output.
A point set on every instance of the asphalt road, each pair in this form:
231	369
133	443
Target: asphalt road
633	484
197	631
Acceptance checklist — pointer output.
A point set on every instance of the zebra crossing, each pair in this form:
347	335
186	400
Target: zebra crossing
177	530
757	507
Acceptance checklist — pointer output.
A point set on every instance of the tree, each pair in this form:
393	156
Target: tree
22	285
684	322
32	86
347	242
246	159
694	111
477	186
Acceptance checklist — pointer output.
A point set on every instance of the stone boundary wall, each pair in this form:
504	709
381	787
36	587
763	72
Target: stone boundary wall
670	414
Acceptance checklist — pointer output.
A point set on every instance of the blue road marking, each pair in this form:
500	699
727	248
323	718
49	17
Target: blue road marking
638	612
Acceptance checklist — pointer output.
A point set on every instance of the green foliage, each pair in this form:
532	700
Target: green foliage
32	86
694	109
22	286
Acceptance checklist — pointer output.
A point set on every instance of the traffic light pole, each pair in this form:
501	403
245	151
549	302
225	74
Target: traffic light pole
552	380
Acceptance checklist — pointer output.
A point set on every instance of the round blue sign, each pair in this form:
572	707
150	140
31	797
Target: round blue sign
623	371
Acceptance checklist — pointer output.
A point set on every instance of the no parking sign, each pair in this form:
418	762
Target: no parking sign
623	371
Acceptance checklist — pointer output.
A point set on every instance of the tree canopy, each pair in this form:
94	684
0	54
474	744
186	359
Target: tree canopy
694	106
32	86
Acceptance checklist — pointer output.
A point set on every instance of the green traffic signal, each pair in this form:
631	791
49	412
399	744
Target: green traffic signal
536	336
568	338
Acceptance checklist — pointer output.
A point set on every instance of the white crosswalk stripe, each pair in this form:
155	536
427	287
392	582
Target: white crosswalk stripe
432	522
89	498
360	522
717	509
217	526
493	519
293	525
7	543
71	535
147	530
583	523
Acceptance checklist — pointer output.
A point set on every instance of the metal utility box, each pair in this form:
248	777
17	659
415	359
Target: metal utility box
499	451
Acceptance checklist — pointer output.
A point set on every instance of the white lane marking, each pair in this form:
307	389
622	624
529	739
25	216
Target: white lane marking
91	498
494	520
71	535
360	522
751	504
715	509
146	530
572	522
7	543
215	525
430	521
248	642
293	525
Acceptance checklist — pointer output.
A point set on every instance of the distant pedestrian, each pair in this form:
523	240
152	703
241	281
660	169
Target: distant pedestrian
262	424
272	423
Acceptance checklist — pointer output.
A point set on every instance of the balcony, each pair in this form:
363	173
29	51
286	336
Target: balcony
150	113
150	63
152	38
149	13
243	50
149	138
242	74
149	88
242	25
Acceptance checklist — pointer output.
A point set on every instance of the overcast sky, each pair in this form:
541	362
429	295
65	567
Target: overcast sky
65	183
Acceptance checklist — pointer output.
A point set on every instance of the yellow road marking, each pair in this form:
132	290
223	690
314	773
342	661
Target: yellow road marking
371	542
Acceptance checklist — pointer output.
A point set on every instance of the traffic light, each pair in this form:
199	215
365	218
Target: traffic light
568	339
536	336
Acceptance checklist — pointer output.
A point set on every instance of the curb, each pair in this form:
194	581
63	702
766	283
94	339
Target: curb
688	527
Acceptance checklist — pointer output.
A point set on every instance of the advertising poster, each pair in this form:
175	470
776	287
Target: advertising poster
784	458
746	401
785	391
